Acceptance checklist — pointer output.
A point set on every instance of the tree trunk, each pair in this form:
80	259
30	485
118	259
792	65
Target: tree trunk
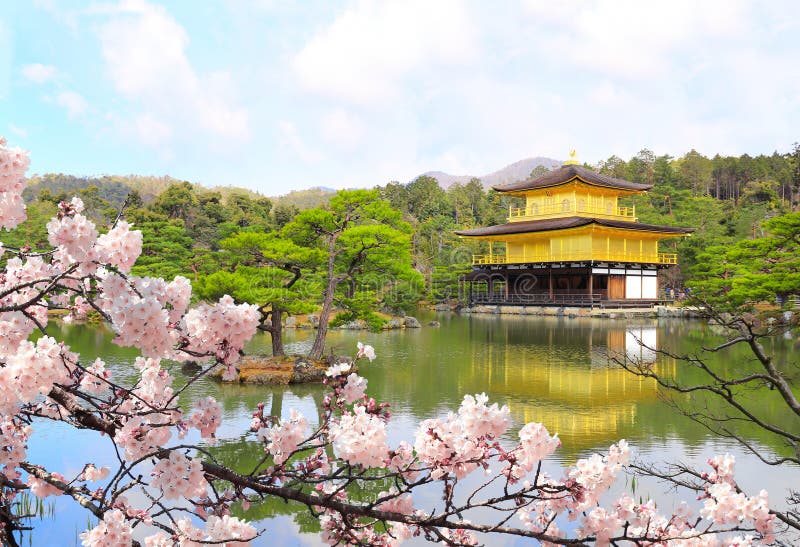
276	407
327	303
276	333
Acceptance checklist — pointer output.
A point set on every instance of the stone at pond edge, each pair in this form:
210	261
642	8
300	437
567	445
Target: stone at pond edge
190	367
268	370
411	322
291	322
434	324
355	324
393	324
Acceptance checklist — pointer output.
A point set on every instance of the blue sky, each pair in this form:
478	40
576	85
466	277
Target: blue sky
281	95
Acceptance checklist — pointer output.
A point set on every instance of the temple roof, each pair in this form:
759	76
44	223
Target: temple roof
567	173
531	226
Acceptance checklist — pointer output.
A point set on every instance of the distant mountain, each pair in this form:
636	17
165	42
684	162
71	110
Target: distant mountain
112	188
519	170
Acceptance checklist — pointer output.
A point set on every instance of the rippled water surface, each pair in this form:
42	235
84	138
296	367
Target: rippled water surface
553	370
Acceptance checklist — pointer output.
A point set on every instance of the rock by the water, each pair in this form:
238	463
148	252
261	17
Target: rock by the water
313	320
304	372
291	322
411	322
434	324
355	324
191	367
393	324
268	370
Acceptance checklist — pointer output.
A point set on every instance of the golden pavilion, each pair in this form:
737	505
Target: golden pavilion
571	244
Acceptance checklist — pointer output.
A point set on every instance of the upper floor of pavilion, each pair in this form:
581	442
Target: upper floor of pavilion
572	191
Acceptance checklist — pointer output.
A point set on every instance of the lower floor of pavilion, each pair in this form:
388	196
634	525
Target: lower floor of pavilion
565	284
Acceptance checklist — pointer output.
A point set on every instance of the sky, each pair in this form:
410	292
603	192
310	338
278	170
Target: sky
279	95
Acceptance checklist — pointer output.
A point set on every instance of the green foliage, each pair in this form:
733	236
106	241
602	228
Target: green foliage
403	295
299	200
33	231
261	268
367	247
355	311
766	269
444	281
58	187
200	233
167	250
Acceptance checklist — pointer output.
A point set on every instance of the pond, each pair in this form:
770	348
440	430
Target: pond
552	370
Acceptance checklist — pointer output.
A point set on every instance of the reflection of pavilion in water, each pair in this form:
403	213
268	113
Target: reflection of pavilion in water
580	393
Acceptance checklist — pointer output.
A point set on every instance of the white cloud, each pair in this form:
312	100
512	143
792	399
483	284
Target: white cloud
152	131
632	38
365	54
60	12
18	131
342	128
39	73
73	102
289	139
144	48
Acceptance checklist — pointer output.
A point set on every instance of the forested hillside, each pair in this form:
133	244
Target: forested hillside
726	199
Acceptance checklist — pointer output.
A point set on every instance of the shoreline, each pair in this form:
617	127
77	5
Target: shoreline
574	311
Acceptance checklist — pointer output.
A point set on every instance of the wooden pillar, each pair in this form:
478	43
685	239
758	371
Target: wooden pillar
550	281
491	258
591	289
506	275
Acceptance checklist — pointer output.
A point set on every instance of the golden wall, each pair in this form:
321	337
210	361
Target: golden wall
583	244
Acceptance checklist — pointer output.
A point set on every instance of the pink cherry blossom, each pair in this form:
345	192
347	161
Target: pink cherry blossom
92	473
480	419
365	351
402	503
221	329
14	328
207	417
42	488
402	461
13	438
178	476
140	436
456	444
95	379
536	443
337	370
121	246
284	438
33	370
597	473
13	164
359	438
354	388
76	235
113	531
235	532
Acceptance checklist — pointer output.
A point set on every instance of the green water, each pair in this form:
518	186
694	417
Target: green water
553	370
